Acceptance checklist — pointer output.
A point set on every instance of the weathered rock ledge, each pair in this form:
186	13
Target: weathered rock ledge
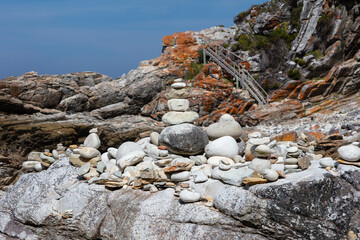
311	204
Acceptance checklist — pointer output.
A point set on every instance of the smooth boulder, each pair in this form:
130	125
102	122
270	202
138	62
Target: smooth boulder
224	146
92	141
226	126
349	153
188	197
126	148
184	139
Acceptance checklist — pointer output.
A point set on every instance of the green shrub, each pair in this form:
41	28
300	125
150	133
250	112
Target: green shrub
301	62
221	25
325	19
195	69
262	42
294	74
226	45
317	54
235	47
245	42
295	16
241	17
281	33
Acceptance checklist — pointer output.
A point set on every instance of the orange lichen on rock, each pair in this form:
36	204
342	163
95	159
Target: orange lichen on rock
314	135
305	90
181	50
313	110
278	95
288	136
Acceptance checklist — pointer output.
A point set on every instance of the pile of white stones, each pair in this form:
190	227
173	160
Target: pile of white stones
183	158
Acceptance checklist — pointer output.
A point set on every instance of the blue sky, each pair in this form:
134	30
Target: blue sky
106	36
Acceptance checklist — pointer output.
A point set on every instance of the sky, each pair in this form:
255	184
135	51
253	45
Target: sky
106	36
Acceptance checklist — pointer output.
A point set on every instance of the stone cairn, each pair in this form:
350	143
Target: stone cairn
179	107
190	160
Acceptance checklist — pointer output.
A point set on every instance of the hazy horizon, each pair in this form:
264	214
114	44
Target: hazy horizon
112	37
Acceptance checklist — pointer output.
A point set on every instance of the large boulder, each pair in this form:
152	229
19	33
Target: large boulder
184	139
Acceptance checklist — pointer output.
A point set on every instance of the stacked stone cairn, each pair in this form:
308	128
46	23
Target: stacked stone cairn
192	161
179	107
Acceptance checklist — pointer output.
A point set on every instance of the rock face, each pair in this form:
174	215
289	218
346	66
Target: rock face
185	139
39	204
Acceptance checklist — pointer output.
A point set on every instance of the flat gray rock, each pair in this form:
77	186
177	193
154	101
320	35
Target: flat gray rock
173	118
179	105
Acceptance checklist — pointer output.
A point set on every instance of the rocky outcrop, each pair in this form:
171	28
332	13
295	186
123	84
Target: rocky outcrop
22	134
54	202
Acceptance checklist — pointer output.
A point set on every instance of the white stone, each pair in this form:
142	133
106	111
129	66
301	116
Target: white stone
349	153
271	175
180	105
34	156
127	147
154	138
272	144
144	142
112	152
188	197
130	159
47	158
291	166
263	151
327	162
291	161
173	118
84	169
292	149
217	160
279	167
92	141
178	85
105	157
226	126
224	167
280	160
259	141
199	176
234	176
224	146
55	154
254	135
88	152
180	176
29	165
205	168
259	165
38	167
